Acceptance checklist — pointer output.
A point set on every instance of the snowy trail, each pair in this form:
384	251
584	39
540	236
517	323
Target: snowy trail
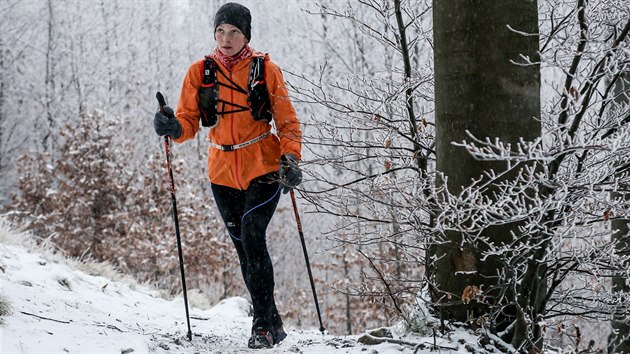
57	308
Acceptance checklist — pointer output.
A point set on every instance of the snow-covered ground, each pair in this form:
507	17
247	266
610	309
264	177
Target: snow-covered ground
61	306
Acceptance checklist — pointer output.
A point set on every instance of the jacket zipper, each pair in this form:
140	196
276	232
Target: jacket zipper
236	174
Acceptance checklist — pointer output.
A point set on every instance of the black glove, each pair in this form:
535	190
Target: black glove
290	174
167	124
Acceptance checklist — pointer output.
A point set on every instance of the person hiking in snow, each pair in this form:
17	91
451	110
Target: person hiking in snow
248	166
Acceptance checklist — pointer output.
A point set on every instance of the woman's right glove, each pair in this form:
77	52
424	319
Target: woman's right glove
290	174
167	124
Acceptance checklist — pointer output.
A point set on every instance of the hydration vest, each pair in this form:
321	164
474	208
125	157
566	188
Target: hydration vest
257	93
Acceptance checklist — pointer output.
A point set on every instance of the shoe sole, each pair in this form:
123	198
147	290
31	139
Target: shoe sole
259	343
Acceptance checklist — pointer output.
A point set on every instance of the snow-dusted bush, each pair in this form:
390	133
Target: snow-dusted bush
88	202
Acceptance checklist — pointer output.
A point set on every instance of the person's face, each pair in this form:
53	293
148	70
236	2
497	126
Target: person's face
230	40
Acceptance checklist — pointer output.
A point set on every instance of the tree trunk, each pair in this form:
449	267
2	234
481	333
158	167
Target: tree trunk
620	342
2	114
346	273
478	89
50	81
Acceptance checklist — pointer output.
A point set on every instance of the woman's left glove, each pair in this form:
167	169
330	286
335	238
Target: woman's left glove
290	174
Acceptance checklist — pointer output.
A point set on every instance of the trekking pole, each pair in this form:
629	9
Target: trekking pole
308	263
162	103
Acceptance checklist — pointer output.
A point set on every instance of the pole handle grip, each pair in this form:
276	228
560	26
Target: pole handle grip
163	106
161	100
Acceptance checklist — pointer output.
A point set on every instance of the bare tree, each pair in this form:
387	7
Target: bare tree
372	147
3	74
50	78
18	40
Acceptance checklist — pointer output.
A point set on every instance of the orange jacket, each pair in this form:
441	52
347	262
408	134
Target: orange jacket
237	168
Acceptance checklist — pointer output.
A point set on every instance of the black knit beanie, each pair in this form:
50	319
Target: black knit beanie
235	15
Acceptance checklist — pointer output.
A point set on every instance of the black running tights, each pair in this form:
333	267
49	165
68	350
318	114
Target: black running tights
246	214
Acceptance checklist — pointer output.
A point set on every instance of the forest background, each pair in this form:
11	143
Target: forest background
81	165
